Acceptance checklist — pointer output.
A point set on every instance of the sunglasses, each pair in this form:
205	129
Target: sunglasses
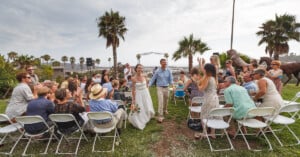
28	77
273	64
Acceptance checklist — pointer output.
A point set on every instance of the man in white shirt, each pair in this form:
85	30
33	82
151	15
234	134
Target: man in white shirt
127	71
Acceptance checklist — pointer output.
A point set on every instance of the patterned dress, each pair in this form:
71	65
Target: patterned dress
211	99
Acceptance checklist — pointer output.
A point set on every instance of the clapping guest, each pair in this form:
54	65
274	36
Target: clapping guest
267	91
63	105
191	86
208	84
275	74
20	97
105	77
99	102
42	107
229	71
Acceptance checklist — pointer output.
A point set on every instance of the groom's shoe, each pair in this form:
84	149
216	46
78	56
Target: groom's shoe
166	112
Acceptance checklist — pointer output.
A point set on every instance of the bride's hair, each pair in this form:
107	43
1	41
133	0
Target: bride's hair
137	67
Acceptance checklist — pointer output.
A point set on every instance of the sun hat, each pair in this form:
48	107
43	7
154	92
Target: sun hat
97	91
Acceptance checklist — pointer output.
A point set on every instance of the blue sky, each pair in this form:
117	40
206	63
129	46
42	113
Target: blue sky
65	27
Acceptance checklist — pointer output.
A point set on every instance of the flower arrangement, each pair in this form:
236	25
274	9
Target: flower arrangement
134	108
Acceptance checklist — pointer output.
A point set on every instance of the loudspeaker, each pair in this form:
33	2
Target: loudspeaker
89	62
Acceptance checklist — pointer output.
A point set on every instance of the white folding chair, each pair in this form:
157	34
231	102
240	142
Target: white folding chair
95	118
250	122
292	109
179	93
195	109
215	121
120	102
6	129
293	100
29	120
221	101
59	120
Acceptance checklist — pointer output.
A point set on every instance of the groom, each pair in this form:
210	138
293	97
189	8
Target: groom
163	78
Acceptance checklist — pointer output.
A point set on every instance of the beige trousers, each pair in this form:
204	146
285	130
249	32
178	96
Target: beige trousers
163	97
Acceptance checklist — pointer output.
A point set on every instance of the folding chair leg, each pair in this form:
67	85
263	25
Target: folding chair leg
278	140
24	152
270	146
298	141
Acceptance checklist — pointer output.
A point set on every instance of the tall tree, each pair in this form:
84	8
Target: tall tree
72	61
24	60
64	59
189	47
277	33
112	27
46	58
138	57
55	63
81	61
12	55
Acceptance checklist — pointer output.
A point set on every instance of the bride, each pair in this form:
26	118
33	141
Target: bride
140	99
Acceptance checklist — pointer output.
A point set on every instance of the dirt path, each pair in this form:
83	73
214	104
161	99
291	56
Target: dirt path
174	136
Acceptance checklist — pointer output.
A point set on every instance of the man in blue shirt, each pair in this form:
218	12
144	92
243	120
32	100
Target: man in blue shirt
163	78
99	103
42	107
249	84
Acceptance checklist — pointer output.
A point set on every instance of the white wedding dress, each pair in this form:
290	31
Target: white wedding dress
144	102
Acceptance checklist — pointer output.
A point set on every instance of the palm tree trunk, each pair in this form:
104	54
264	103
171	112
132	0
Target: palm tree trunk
115	74
190	62
276	56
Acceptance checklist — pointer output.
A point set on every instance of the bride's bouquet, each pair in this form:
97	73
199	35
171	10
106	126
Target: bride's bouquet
134	108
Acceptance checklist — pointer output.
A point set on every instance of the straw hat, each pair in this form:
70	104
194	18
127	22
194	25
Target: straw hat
97	91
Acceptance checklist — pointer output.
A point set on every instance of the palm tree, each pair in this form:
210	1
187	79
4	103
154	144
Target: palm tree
24	60
109	60
64	59
55	63
112	27
138	57
277	33
166	55
46	58
81	61
72	61
12	55
189	47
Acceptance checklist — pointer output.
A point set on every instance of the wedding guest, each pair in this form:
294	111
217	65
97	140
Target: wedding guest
208	85
34	78
20	97
276	74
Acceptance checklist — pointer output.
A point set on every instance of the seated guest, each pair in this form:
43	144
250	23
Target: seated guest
267	90
63	105
52	85
237	97
191	86
249	84
20	97
117	95
99	103
123	85
182	77
76	92
42	107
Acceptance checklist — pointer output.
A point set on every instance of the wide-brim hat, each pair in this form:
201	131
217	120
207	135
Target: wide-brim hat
97	91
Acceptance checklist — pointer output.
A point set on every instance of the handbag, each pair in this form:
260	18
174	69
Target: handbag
195	124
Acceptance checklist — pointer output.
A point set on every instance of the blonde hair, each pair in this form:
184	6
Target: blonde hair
115	83
277	62
216	60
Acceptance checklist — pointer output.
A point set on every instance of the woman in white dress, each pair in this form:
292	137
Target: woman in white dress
140	98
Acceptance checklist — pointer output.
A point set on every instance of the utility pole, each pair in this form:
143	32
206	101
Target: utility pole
232	23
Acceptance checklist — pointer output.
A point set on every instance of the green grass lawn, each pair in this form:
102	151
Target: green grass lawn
136	143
